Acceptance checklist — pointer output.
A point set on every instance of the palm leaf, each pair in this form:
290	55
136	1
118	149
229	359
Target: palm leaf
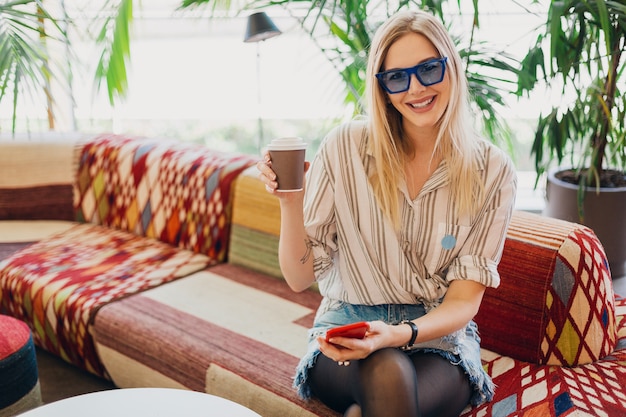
24	60
114	38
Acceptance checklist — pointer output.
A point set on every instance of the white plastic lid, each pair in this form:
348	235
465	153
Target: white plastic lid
287	144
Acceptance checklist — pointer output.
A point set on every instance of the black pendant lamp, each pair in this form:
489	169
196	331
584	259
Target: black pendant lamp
260	27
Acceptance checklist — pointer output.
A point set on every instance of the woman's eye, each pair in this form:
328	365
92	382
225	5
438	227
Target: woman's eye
394	76
430	67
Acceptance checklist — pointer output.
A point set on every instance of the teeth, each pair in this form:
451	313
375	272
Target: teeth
424	104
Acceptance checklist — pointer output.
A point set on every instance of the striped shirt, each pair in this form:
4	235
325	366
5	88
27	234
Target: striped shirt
360	258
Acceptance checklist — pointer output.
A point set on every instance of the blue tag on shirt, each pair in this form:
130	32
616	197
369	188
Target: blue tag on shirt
448	242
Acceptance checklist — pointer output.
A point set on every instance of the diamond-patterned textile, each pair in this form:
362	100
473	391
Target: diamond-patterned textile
555	304
179	193
523	389
57	284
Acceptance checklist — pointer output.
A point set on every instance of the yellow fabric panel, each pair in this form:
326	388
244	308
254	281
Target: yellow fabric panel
253	207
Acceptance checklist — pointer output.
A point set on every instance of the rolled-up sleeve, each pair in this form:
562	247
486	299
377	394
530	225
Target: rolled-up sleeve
478	259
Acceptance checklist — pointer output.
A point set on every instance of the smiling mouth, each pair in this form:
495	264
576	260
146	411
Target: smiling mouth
422	104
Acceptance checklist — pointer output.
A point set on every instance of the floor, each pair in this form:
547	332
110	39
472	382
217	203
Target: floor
60	380
619	286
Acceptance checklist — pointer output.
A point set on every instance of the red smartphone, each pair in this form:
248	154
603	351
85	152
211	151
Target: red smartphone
353	330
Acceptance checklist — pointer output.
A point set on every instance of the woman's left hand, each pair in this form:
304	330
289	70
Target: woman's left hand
345	349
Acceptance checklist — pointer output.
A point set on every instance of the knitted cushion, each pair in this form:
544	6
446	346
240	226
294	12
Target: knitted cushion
555	304
177	192
19	379
57	284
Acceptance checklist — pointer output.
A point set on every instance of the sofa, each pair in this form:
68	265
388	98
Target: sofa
152	262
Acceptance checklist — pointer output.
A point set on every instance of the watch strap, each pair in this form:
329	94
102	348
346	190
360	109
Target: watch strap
414	333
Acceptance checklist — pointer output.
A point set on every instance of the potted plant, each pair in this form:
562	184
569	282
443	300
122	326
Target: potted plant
580	143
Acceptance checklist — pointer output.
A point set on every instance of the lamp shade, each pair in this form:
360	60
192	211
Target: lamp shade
260	27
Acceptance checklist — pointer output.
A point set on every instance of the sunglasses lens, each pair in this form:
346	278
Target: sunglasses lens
396	81
430	73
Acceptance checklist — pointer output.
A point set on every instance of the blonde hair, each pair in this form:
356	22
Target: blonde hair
456	140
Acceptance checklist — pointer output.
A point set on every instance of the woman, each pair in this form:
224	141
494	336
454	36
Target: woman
402	224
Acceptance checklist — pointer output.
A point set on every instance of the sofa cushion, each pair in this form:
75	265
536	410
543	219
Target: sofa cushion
555	304
57	284
524	389
36	178
177	192
256	225
227	331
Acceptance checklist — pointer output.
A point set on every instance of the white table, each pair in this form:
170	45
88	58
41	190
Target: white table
140	402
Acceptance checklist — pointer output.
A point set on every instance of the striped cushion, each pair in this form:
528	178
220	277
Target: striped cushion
227	331
555	304
19	379
36	179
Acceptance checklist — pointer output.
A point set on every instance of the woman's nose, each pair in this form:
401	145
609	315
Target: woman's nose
415	84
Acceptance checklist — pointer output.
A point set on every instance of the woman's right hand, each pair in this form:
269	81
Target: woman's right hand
268	177
266	173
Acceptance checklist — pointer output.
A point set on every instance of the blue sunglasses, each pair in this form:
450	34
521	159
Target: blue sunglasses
427	73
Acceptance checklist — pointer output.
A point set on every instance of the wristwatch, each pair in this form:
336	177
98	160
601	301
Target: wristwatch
414	332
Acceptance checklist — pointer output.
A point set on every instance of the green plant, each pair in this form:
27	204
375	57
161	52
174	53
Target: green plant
113	28
343	29
581	48
24	62
27	30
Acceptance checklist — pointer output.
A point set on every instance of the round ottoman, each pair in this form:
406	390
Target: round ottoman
19	379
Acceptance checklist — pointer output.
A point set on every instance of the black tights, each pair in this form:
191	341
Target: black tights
390	383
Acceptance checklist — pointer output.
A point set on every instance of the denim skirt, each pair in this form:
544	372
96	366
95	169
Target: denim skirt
461	348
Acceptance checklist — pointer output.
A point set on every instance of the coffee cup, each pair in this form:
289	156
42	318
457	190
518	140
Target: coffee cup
287	155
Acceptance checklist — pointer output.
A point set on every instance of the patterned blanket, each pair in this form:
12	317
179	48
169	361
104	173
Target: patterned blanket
58	284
